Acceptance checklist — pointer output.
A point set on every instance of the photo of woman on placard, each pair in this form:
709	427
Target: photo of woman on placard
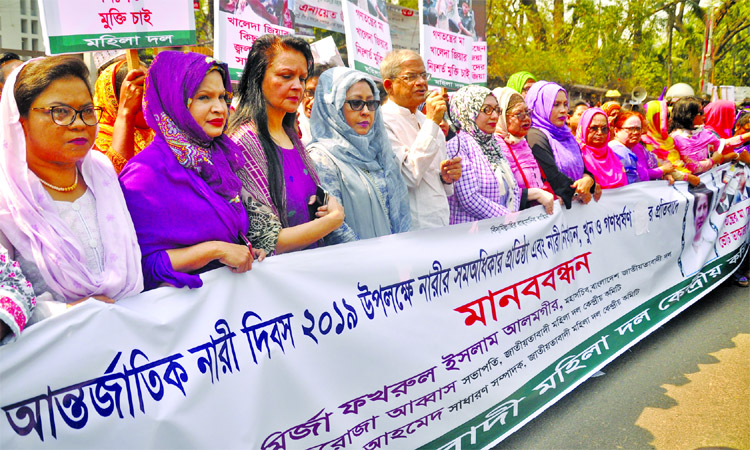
700	249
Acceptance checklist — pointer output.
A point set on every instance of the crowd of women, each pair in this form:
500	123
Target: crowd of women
177	185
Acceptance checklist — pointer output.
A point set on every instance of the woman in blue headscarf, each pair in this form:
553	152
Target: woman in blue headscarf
353	157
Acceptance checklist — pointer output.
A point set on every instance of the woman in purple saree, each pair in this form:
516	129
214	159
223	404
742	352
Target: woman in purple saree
182	192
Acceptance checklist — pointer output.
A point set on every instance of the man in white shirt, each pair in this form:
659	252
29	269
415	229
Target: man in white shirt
416	138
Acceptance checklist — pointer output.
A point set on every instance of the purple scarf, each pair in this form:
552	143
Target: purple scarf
541	98
30	220
181	190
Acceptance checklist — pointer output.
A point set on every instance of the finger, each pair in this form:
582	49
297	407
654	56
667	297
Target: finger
140	81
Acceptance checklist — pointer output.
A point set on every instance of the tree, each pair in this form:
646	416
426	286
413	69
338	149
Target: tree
650	43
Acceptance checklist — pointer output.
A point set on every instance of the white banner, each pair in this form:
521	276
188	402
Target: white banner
71	26
479	63
444	338
404	24
236	28
368	36
324	14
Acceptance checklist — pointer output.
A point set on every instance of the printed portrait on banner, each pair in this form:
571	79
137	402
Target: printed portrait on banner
275	12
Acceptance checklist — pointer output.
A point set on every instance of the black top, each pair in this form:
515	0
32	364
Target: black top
542	151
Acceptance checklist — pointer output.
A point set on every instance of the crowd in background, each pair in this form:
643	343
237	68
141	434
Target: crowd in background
180	182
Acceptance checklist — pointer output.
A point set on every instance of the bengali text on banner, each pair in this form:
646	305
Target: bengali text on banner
394	342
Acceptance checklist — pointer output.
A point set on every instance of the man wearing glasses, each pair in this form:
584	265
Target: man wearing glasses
416	138
8	62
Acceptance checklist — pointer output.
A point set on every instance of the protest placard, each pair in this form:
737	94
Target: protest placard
368	35
238	24
446	46
325	14
404	23
71	26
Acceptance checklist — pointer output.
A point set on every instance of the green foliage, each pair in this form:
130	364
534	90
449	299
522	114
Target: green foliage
615	45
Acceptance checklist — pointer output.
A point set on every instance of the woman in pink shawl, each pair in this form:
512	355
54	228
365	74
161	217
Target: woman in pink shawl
720	116
699	148
513	125
600	160
62	213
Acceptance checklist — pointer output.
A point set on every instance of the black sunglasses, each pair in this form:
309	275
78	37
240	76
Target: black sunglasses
357	105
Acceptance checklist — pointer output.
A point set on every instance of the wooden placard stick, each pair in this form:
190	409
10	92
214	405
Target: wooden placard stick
131	55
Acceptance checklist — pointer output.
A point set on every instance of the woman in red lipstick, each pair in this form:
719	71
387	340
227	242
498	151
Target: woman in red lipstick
63	217
181	190
270	91
354	158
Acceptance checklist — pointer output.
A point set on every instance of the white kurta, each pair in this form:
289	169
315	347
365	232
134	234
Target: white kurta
419	146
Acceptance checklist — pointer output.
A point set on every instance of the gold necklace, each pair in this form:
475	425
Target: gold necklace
62	189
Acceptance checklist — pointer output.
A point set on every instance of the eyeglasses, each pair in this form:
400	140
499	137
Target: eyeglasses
357	105
601	130
489	109
65	115
412	77
632	130
521	115
309	93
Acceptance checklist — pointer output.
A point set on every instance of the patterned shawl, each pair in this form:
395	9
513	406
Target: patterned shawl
165	108
656	137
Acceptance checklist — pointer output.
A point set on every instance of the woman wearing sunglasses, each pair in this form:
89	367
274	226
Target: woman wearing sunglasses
63	217
354	159
487	187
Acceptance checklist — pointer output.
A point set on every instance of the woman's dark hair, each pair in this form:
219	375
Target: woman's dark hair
684	113
318	70
36	76
742	121
120	75
251	105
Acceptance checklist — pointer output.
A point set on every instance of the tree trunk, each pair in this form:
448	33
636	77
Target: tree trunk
535	19
558	20
670	29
